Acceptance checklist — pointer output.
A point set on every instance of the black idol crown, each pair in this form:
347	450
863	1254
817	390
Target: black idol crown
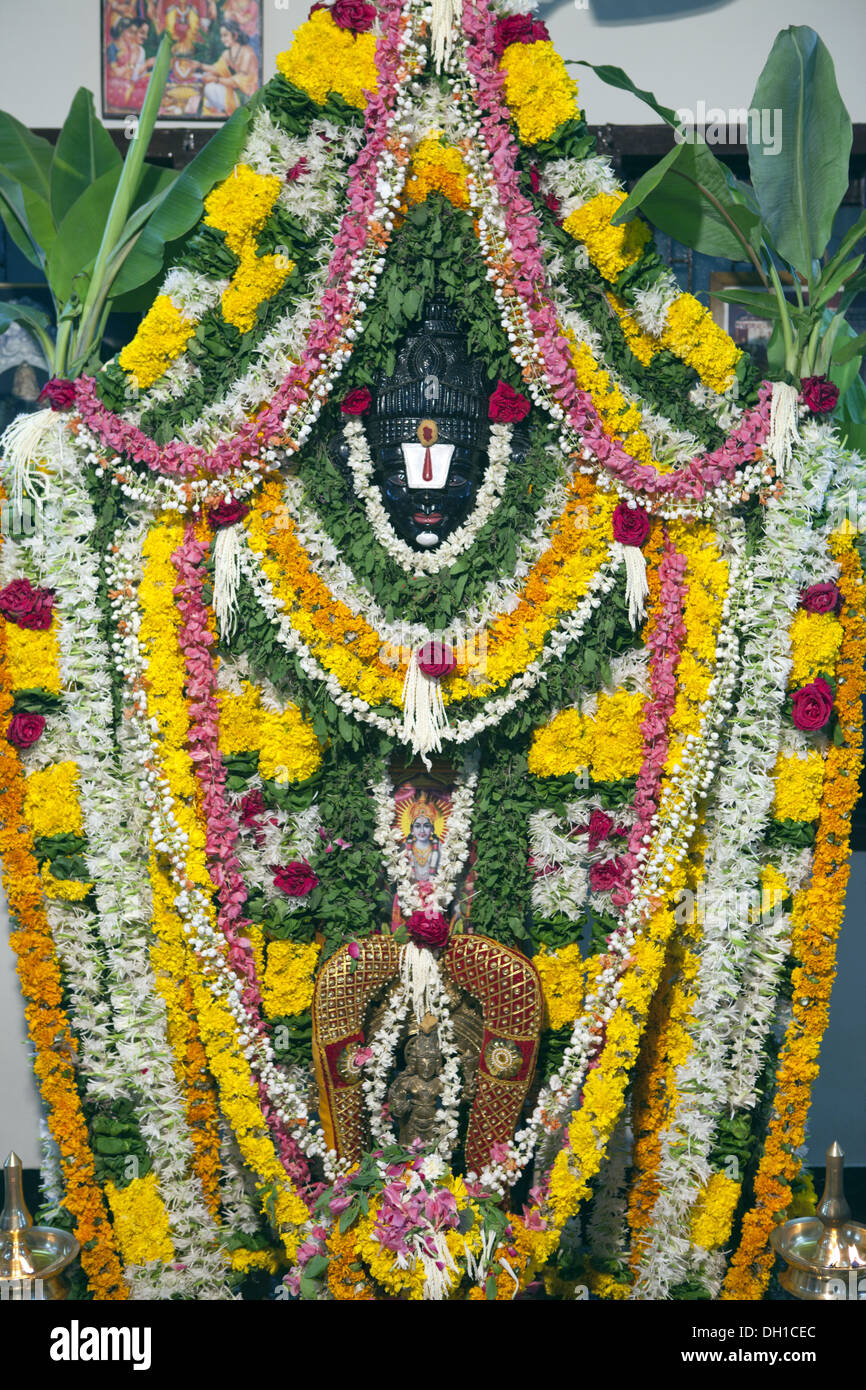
434	379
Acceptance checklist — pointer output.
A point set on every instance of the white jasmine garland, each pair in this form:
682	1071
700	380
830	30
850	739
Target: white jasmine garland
141	1057
285	1093
707	1083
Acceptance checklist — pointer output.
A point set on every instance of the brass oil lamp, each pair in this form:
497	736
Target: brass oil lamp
32	1258
824	1254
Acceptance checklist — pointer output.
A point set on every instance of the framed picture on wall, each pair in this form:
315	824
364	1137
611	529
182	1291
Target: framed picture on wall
216	55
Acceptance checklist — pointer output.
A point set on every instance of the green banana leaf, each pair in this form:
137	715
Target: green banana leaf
83	153
181	206
800	187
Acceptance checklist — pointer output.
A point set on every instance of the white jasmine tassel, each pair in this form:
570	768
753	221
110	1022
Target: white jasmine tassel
437	1268
424	716
30	441
419	975
227	578
636	586
444	16
783	433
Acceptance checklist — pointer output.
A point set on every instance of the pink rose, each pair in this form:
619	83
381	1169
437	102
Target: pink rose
296	879
507	405
517	28
609	874
812	705
356	15
428	928
59	393
821	598
630	525
25	729
26	606
819	394
357	402
227	513
354	950
436	659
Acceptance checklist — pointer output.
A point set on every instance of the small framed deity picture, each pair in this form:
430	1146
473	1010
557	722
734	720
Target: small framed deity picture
216	55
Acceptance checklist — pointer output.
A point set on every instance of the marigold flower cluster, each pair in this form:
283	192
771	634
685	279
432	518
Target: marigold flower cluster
538	89
325	58
161	336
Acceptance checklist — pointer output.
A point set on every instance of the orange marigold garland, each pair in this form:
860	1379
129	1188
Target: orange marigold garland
817	917
50	1033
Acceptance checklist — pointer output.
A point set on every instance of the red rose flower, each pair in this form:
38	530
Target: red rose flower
819	394
507	405
599	828
609	874
534	178
25	729
227	513
296	879
435	660
552	203
821	598
26	606
357	402
428	929
356	15
517	28
630	525
812	705
59	393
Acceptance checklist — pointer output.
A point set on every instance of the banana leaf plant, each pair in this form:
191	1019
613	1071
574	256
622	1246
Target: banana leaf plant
781	221
98	226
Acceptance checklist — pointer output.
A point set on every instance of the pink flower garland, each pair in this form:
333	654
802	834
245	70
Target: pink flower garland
665	647
222	832
327	333
530	284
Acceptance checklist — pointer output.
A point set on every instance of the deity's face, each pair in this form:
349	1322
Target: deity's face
428	1058
425	510
422	829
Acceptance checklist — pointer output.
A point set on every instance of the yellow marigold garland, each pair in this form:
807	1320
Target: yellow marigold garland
51	801
799	779
288	984
257	278
610	248
538	89
325	58
218	1030
437	168
162	336
33	658
286	742
815	642
816	919
140	1221
714	1210
53	1042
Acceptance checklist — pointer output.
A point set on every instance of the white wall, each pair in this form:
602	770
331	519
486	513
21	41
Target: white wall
683	50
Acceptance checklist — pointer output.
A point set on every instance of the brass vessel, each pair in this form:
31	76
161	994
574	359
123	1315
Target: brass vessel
824	1254
32	1258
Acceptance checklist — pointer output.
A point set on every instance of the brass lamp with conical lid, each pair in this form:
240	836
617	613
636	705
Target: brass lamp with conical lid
32	1258
824	1254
